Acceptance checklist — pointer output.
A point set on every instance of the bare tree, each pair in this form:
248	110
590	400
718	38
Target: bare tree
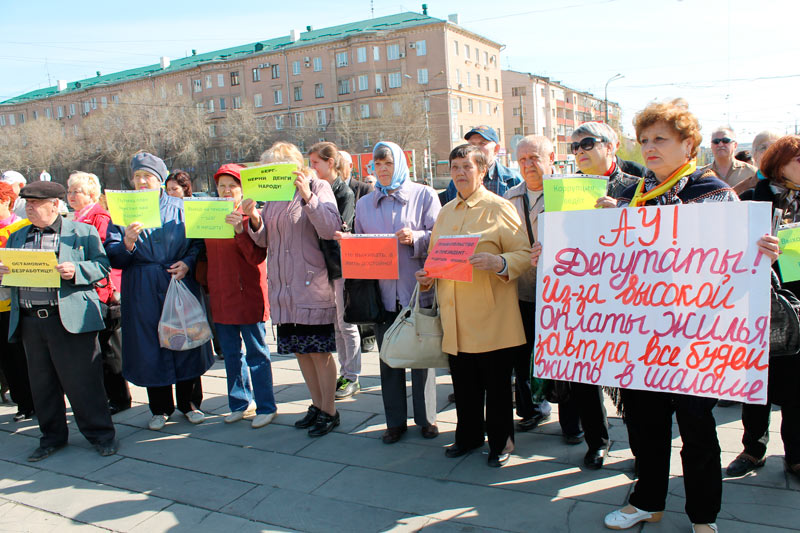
37	145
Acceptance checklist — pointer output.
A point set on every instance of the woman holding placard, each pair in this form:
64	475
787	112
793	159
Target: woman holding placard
780	166
408	210
300	297
149	259
480	363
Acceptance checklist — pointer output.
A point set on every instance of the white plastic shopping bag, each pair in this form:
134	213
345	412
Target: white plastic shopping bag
183	323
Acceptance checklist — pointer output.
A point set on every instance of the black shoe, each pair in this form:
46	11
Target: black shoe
324	424
727	403
43	452
430	432
115	408
454	450
20	416
106	448
527	424
496	461
310	419
392	435
792	470
743	464
574	439
451	397
594	458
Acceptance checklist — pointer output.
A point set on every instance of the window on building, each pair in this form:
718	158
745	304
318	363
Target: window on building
198	85
235	78
455	45
426	104
317	64
477	56
277	97
379	109
376	53
515	112
486	58
220	80
48	113
341	59
361	54
163	93
364	110
319	90
209	81
276	71
86	108
279	122
469	78
72	109
478	79
93	102
422	48
237	102
114	98
344	86
75	130
298	120
469	105
210	106
496	86
2	120
256	74
298	93
12	120
480	107
393	52
344	111
295	68
397	109
460	104
199	106
458	76
103	102
378	83
395	80
222	104
322	117
363	82
422	76
59	112
489	108
212	130
466	51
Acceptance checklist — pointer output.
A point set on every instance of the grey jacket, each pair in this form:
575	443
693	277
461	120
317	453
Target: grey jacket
526	283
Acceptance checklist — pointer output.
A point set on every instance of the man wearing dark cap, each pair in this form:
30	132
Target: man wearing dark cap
59	325
498	178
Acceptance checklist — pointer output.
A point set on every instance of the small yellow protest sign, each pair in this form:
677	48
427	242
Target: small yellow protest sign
127	207
205	218
572	192
269	183
30	268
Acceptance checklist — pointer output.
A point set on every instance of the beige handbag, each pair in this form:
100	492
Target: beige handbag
414	340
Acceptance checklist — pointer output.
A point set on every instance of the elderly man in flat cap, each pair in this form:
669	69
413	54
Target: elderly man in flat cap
59	325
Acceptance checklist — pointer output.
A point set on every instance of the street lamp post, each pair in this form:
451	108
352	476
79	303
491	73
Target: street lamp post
605	99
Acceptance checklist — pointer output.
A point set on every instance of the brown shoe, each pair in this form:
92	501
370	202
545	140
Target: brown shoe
392	435
430	431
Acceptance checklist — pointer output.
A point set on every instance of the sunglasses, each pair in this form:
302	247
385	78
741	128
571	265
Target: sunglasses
585	144
723	140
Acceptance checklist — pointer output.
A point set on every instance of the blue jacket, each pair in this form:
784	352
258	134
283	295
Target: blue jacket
78	304
144	286
501	180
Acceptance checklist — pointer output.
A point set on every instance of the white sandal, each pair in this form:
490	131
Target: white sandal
621	520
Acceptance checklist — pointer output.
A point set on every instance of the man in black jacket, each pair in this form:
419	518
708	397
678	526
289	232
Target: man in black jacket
359	188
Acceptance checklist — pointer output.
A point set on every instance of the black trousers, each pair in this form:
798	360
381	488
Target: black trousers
481	380
61	362
15	368
117	390
649	414
585	411
522	364
188	393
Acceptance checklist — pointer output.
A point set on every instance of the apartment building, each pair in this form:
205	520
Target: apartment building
314	78
537	105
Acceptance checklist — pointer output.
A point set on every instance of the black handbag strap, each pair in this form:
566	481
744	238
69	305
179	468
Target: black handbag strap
527	205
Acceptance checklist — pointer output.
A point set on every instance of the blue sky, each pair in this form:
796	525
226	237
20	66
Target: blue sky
735	61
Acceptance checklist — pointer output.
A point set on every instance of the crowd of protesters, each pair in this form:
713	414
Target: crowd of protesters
277	267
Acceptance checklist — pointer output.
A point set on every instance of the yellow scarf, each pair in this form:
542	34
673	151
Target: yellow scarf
641	199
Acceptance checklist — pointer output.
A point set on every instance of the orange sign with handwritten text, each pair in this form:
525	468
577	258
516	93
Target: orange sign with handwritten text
449	258
369	257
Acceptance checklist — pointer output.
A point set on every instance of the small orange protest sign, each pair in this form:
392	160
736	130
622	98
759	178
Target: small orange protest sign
369	256
449	258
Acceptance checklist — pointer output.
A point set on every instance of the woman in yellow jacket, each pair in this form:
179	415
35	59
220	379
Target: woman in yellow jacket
481	320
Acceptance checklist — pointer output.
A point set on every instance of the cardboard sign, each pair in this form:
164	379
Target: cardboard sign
127	207
204	218
572	192
789	260
30	268
269	183
370	256
449	258
669	298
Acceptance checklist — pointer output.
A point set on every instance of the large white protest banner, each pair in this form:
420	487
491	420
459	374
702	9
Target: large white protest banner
673	298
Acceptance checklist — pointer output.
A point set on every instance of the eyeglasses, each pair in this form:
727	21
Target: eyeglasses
585	144
723	140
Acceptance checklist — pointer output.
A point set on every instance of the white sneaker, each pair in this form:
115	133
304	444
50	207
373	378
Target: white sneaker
195	416
235	416
262	420
712	526
621	520
158	422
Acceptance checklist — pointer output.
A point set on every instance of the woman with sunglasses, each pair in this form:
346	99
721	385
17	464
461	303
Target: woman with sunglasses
669	136
594	146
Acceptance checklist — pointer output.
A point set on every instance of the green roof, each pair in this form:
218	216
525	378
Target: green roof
389	23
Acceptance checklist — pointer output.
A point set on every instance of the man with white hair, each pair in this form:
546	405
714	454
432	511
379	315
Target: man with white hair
725	166
359	188
761	142
17	182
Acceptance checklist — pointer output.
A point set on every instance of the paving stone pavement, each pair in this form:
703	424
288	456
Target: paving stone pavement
219	477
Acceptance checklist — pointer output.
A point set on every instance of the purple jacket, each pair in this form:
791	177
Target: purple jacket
298	287
411	206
